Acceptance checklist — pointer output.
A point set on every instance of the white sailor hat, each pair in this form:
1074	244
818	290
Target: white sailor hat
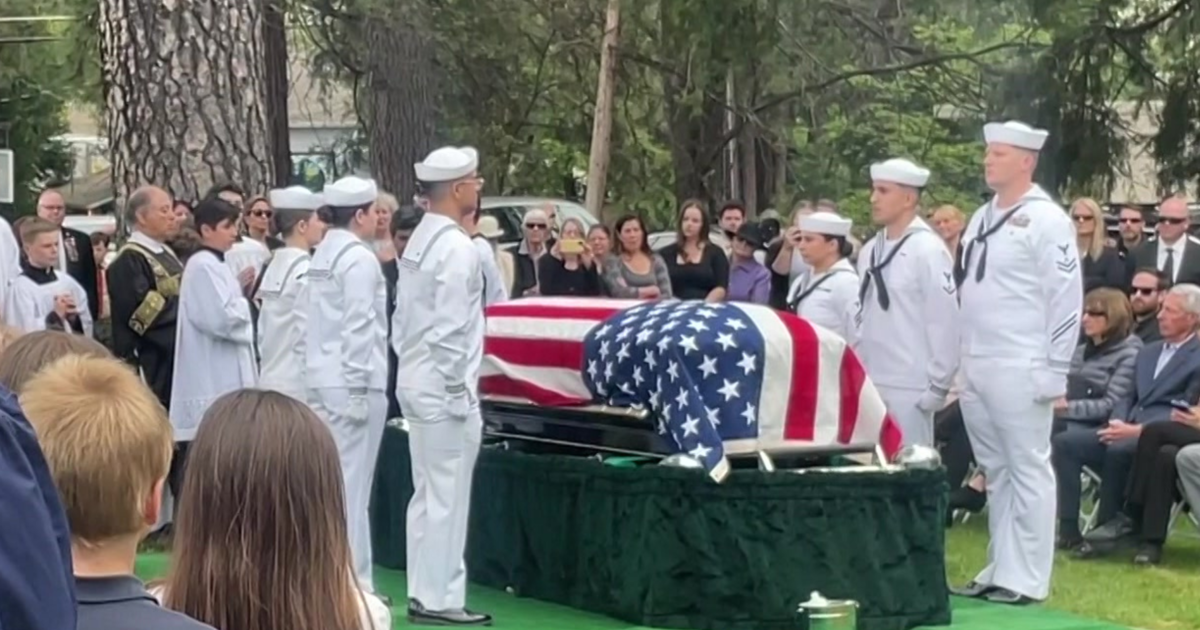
901	172
294	198
447	164
350	192
1016	134
826	223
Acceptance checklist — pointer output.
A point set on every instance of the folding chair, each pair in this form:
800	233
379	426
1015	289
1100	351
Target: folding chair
1089	500
1181	506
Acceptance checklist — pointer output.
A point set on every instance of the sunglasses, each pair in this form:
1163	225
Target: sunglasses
1132	220
1143	291
261	213
1080	218
1095	313
536	226
1171	220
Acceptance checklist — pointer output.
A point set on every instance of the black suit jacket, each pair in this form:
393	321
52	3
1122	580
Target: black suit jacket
81	265
1188	268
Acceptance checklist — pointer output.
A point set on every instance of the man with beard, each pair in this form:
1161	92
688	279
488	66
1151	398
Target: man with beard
438	337
1146	294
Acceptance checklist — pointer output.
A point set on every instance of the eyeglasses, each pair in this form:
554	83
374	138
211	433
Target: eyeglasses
261	213
1095	313
1079	218
1127	220
535	226
1143	291
1171	220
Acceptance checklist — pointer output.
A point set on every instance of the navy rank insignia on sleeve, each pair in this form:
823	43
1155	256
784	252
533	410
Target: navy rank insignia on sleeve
949	286
1067	262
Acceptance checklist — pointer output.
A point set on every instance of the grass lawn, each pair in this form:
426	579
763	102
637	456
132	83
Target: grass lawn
1166	597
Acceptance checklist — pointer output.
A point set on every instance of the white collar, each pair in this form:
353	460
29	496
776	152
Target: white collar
145	241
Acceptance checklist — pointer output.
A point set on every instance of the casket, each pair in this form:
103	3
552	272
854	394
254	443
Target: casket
715	381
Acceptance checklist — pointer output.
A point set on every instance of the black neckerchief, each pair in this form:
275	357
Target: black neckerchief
795	303
875	272
39	276
981	236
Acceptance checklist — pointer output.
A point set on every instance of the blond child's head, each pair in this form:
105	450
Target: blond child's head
108	443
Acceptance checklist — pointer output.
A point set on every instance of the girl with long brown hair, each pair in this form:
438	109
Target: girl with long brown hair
260	539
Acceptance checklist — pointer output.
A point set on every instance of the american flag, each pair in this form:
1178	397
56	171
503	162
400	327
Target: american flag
719	378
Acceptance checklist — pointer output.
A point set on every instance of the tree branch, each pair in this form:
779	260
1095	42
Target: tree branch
1151	23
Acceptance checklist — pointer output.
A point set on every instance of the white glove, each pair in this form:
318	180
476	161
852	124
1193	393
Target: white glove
357	409
930	402
459	405
1048	386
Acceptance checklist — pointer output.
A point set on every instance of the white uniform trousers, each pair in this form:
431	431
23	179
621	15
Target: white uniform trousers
916	426
1010	434
443	452
358	449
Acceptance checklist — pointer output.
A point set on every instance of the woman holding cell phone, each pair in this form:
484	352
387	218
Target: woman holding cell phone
570	269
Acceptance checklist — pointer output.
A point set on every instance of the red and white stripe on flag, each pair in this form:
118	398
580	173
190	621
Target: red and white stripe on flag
815	390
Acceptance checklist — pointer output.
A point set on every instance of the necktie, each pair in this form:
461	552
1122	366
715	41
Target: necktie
1168	269
875	274
981	237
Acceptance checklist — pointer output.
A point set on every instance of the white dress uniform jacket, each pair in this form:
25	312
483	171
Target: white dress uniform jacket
829	300
438	338
247	253
214	342
494	288
10	254
1021	302
29	303
281	323
345	361
910	349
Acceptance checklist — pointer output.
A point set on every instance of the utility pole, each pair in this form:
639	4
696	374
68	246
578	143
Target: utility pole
601	149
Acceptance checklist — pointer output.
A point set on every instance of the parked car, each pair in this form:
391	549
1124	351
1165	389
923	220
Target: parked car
91	223
659	240
510	212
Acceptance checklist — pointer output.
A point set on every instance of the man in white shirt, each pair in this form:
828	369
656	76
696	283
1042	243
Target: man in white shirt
75	255
1173	252
494	288
214	342
438	337
1022	296
41	297
908	335
346	352
283	312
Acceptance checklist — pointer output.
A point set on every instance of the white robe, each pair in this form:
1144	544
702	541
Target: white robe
911	350
214	342
1020	325
247	253
281	323
438	337
345	359
28	303
833	304
10	255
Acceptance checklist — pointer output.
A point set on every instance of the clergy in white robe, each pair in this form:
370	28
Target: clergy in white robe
346	350
826	294
438	337
41	297
214	342
1022	297
908	335
283	311
10	255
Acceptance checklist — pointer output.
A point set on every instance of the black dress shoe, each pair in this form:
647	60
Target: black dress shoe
968	498
419	616
1090	550
1012	598
972	589
1118	527
1068	542
1148	554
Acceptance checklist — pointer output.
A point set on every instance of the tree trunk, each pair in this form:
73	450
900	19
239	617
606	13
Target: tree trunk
185	89
275	53
601	149
401	96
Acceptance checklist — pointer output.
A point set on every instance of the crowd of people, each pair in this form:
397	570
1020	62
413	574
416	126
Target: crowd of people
273	336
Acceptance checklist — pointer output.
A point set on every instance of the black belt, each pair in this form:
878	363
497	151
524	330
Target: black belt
875	272
981	237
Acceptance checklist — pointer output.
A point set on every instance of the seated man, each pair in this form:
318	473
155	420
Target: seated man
1166	371
108	444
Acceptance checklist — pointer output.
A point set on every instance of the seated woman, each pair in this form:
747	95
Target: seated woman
634	271
260	540
570	269
698	269
1101	375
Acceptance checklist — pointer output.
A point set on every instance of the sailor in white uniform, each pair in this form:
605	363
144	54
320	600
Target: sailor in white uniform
1021	300
438	338
282	314
346	351
908	335
827	293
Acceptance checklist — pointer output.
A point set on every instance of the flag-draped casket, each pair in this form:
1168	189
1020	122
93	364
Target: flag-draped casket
718	378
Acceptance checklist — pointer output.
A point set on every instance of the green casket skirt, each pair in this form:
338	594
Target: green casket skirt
667	547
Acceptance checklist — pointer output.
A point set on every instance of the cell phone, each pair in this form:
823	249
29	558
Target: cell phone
1181	405
571	246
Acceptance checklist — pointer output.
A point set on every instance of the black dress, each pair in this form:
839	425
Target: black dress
143	289
694	281
1106	271
555	279
391	273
